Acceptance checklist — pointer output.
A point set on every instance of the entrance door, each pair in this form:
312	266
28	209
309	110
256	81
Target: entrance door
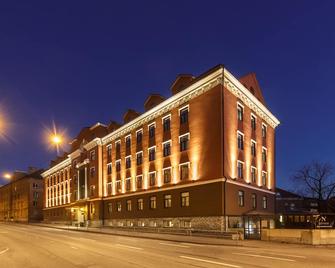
252	227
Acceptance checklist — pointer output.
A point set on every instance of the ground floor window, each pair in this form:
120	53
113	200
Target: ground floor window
185	199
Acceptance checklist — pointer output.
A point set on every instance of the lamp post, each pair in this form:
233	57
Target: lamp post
8	177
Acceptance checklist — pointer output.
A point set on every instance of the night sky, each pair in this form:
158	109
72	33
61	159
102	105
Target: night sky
80	62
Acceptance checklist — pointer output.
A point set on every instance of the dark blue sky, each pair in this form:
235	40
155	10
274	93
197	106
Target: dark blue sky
79	62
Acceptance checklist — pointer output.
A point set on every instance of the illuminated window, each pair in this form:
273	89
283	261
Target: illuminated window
241	198
109	169
167	175
239	140
254	200
152	153
152	178
128	205
240	169
139	182
118	206
264	178
128	161
118	165
264	130
253	148
128	184
118	185
118	149
184	142
153	202
253	122
264	154
185	199
183	114
239	112
166	124
140	204
139	158
110	208
166	148
152	131
167	201
139	135
128	142
184	171
265	202
253	174
109	152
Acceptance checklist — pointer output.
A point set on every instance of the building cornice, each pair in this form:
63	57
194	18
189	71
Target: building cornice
236	87
194	90
57	167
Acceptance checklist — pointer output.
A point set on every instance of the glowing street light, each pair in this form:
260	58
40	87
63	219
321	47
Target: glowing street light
7	176
56	139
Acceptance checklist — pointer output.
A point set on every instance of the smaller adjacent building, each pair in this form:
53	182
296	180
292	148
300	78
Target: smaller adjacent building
297	211
21	200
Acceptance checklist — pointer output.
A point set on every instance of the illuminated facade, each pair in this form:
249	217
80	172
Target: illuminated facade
202	159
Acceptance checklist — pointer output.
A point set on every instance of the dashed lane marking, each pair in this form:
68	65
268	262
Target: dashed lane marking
211	262
265	257
130	247
174	245
4	251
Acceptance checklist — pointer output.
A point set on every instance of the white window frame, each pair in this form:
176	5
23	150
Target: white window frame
184	107
237	162
186	134
152	124
166	116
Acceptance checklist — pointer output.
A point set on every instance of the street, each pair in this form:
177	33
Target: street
33	246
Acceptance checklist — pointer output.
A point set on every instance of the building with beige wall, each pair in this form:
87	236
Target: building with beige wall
203	159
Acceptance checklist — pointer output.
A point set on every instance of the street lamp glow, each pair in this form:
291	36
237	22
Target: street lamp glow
56	139
7	176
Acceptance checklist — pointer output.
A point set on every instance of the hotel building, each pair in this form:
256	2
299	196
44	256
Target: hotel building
202	159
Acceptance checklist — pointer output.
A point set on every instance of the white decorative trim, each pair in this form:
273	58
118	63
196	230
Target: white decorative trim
66	162
152	124
235	87
92	144
186	134
239	132
166	116
183	108
168	141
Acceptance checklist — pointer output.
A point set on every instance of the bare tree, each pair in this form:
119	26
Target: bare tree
316	180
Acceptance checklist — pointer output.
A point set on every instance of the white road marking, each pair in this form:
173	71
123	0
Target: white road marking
4	251
74	247
174	245
212	262
82	238
3	232
265	257
286	255
130	247
197	245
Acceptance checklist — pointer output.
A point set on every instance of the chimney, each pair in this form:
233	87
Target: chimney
152	101
130	115
181	82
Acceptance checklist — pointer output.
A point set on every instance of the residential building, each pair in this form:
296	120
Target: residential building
203	159
21	200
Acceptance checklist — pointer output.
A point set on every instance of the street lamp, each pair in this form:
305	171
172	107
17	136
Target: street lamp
56	140
7	176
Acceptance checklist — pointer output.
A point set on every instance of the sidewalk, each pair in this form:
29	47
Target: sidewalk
195	239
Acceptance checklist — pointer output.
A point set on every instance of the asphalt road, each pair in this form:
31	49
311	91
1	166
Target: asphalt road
33	246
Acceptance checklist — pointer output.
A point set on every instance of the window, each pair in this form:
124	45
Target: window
167	201
184	141
139	158
239	169
118	185
92	172
35	203
264	178
118	149
240	140
35	185
185	224
166	148
92	190
128	142
110	208
35	195
152	152
139	182
254	201
184	171
109	169
239	112
253	148
185	199
167	175
153	202
128	184
128	205
152	178
183	114
118	206
264	154
166	123
92	155
128	161
152	131
139	135
253	122
167	223
140	204
241	198
265	202
264	130
253	174
109	152
118	165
